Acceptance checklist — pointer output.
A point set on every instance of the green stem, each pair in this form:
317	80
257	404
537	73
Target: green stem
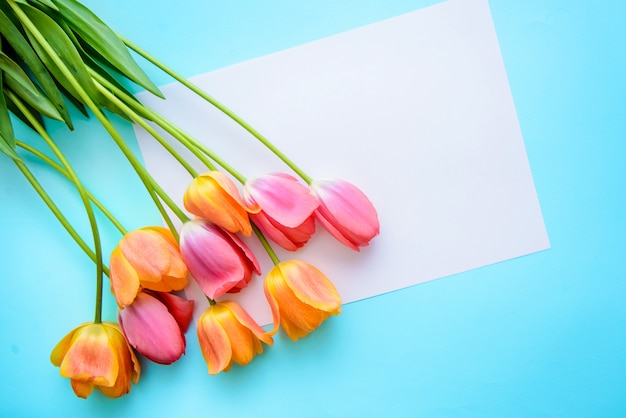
60	169
198	149
204	95
141	121
81	191
57	212
266	245
145	177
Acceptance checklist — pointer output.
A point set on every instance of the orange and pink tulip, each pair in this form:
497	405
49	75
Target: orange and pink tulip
345	212
146	258
97	356
218	260
287	206
155	325
301	297
215	197
227	334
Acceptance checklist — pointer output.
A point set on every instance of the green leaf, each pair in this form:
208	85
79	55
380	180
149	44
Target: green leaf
18	81
65	50
92	64
6	149
17	112
23	49
47	3
103	40
7	138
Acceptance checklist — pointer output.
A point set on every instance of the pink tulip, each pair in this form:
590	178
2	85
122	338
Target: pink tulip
155	325
218	260
287	207
345	212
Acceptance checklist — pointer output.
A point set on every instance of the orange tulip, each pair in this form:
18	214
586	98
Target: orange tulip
301	297
149	258
214	196
227	335
97	355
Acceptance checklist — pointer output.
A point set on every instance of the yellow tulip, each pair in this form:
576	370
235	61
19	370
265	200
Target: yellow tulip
301	297
97	355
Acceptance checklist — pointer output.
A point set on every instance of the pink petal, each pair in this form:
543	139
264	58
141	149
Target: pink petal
181	309
346	212
289	238
152	330
282	197
215	258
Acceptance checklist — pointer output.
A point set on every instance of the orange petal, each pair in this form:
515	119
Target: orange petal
246	320
177	269
124	279
60	350
166	284
241	338
311	286
214	343
297	318
123	354
147	252
91	357
215	197
293	331
300	297
82	389
268	287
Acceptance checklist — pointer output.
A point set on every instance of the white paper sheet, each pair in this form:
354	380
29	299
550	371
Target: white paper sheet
415	110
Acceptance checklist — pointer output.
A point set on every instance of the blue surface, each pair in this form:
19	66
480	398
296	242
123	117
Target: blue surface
538	336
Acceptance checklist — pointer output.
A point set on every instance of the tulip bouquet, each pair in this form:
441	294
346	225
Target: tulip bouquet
55	52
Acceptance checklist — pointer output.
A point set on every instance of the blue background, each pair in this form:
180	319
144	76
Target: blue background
538	336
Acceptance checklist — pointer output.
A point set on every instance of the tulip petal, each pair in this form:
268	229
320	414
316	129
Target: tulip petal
91	357
241	338
215	197
124	279
300	297
181	309
282	197
123	354
152	254
97	355
289	238
310	285
60	350
247	321
214	342
81	389
248	256
268	287
346	212
216	259
296	317
152	330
